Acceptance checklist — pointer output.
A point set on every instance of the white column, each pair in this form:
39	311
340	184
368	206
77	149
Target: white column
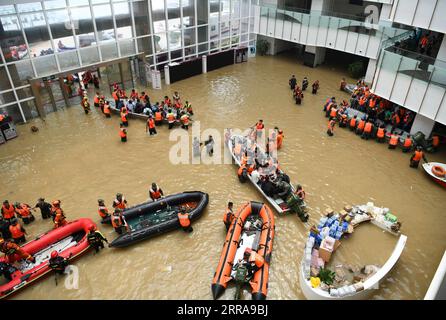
204	60
423	124
371	68
166	74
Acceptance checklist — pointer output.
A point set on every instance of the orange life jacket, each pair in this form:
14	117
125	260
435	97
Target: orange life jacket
103	211
435	141
417	156
123	117
115	96
333	112
24	211
96	99
393	140
170	117
228	217
279	140
362	101
151	123
122	133
16	231
352	122
328	107
106	109
60	219
257	259
368	127
184	219
185	119
259	126
372	103
8	213
407	143
119	205
240	170
380	133
361	125
331	125
155	194
116	221
158	116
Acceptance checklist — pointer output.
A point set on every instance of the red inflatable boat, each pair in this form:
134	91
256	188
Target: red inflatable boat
70	241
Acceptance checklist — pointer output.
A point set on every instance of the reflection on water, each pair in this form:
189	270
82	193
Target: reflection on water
79	158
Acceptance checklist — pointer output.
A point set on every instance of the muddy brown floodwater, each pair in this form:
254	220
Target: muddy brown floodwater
79	158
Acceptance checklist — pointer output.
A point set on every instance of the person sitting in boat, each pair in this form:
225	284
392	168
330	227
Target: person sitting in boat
102	209
57	263
120	202
96	239
10	249
155	192
242	173
253	262
229	216
184	219
283	189
17	231
118	221
7	270
23	211
300	192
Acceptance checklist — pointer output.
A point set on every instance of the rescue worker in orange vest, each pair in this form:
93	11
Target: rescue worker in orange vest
120	202
185	121
188	108
170	118
407	146
367	130
23	211
85	104
134	95
115	97
393	142
107	109
102	209
59	216
118	221
360	127
183	218
381	134
228	217
328	106
124	120
96	99
123	133
8	210
17	232
155	192
331	125
158	118
10	249
280	137
416	157
333	112
167	101
150	127
253	261
435	142
352	124
259	128
242	173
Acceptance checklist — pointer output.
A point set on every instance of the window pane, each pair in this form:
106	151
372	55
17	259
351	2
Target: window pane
178	54
13	45
84	28
21	72
61	29
245	8
7	9
157	5
104	22
189	37
140	12
159	26
109	51
160	42
78	3
173	14
203	48
145	45
45	65
55	4
174	40
174	24
235	27
37	34
225	10
188	13
4	81
127	47
29	7
202	12
235	12
89	55
68	60
189	51
202	34
158	13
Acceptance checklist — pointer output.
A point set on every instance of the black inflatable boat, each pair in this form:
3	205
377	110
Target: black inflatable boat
149	219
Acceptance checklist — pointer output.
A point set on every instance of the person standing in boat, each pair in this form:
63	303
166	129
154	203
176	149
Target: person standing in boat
184	219
96	239
118	221
155	192
120	202
45	208
10	249
229	216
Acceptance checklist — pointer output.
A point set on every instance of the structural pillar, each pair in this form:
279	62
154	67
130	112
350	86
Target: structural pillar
35	85
63	88
50	94
166	74
204	60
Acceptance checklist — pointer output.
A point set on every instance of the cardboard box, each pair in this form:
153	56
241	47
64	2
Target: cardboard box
324	254
328	243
